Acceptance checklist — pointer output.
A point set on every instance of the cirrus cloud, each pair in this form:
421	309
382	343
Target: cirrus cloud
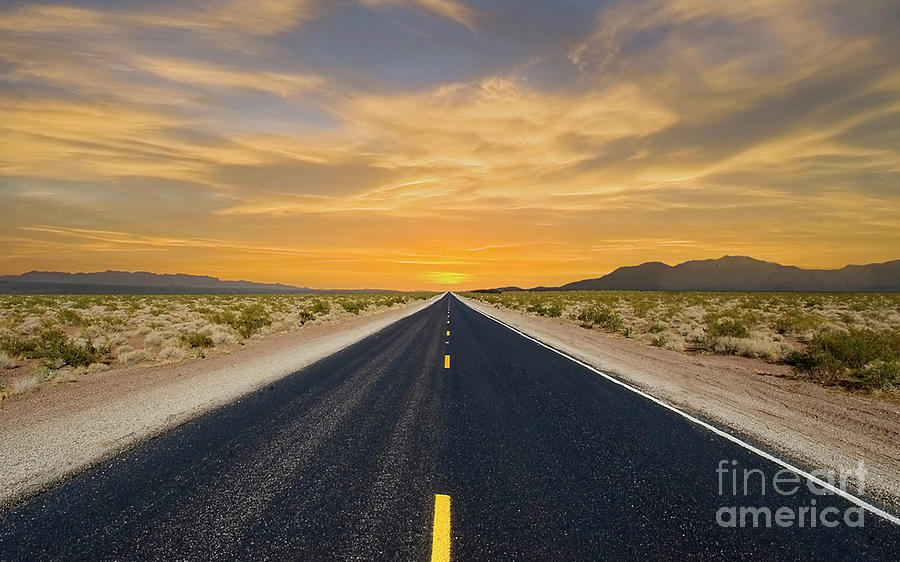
669	129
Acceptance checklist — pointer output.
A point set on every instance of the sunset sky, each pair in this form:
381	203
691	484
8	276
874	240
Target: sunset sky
446	143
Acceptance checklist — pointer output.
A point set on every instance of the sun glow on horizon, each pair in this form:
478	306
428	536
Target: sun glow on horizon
447	277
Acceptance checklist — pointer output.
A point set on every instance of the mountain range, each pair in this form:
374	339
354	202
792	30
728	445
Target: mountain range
739	273
139	282
728	273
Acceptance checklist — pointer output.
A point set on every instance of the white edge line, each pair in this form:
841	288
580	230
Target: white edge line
818	481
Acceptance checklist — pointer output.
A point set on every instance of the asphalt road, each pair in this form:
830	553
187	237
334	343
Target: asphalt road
541	458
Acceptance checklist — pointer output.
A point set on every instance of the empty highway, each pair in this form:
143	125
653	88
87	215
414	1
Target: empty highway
444	436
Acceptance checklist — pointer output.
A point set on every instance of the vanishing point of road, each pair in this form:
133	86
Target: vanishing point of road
444	436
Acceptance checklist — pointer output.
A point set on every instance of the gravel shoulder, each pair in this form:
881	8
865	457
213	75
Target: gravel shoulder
822	428
60	430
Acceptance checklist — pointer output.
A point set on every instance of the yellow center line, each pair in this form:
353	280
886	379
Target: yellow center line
448	332
446	361
440	538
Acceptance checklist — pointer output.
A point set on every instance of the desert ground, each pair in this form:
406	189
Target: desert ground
53	339
851	340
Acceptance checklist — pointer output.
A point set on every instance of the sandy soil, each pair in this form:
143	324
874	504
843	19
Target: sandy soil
60	430
818	427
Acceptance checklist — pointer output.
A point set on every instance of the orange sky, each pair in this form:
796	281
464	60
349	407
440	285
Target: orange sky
446	144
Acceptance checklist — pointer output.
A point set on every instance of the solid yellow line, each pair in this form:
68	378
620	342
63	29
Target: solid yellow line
440	538
446	361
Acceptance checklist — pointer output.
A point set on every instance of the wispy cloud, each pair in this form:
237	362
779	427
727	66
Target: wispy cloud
451	9
664	129
198	73
263	17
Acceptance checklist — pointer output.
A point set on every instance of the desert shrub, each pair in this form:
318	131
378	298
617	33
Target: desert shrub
880	375
32	324
274	304
153	339
853	348
304	315
7	362
170	354
659	340
726	327
221	336
353	306
251	320
53	345
754	346
552	309
134	357
159	310
196	339
599	315
42	372
224	317
117	338
97	367
394	299
673	341
16	346
672	311
859	358
641	307
797	322
24	385
69	316
79	355
112	321
319	307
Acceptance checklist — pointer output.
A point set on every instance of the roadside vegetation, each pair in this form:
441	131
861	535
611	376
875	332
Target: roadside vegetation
845	339
57	338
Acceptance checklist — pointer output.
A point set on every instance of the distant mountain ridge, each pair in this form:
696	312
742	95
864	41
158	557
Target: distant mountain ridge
741	273
138	282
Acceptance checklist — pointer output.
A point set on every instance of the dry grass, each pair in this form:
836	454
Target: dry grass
47	338
776	327
7	362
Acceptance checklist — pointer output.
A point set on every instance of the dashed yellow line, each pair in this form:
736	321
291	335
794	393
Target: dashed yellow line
446	361
448	332
440	538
